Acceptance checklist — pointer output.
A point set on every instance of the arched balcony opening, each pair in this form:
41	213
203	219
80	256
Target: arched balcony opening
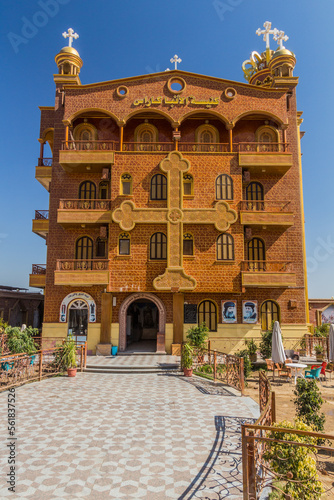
148	132
203	132
259	133
92	130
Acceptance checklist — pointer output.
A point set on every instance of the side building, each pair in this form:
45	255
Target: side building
175	199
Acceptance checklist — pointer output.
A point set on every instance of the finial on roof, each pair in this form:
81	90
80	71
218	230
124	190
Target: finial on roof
70	35
175	60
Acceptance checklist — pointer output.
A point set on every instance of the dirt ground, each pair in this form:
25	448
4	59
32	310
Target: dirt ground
285	409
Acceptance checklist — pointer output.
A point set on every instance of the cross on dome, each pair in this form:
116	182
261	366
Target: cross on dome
280	37
266	32
70	35
176	60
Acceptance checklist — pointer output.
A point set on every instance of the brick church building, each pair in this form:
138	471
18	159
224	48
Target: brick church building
175	198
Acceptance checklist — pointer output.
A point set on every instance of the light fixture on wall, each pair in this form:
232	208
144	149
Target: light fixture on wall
114	301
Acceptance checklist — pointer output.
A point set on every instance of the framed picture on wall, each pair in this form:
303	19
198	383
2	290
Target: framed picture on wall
249	311
229	311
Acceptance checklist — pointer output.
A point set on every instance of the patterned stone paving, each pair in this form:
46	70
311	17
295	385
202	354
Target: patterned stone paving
125	436
149	360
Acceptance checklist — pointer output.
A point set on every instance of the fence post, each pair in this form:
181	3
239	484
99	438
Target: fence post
251	467
273	408
85	354
40	365
214	365
244	462
242	376
209	351
81	357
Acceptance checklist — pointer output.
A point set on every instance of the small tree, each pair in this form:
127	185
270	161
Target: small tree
197	335
308	403
294	464
266	342
247	362
20	341
322	330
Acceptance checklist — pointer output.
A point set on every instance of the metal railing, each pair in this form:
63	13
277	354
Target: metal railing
82	264
311	341
264	206
272	266
41	214
148	146
89	145
16	369
38	269
45	162
261	147
196	147
260	474
84	204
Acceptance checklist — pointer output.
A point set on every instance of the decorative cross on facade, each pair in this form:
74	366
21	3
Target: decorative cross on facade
127	216
280	37
266	32
176	60
70	35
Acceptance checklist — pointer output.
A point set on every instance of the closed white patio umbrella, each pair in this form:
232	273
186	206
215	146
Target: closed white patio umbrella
277	351
331	343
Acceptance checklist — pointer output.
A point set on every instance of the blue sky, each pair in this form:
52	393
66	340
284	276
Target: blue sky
134	37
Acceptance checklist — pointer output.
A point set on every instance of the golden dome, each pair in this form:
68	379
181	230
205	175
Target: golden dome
283	52
69	50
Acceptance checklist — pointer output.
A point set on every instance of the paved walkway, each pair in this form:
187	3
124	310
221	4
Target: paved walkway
149	360
125	436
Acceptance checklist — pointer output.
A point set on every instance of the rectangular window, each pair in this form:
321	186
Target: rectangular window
124	247
187	188
188	247
126	185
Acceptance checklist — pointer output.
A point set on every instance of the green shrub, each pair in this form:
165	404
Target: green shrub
308	403
266	342
187	356
197	335
322	330
251	347
247	362
18	341
295	465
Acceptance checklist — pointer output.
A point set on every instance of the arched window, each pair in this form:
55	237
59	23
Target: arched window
208	138
85	136
188	244
158	246
266	137
126	184
254	196
87	191
256	254
84	248
188	185
269	313
158	187
145	137
78	318
225	247
207	313
101	247
124	244
224	187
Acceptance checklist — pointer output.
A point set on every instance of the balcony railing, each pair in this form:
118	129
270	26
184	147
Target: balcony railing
148	146
45	162
84	204
38	269
89	146
41	214
265	206
272	266
82	265
261	147
195	147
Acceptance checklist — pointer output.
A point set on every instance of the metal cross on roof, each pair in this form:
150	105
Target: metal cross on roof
266	32
70	35
280	37
176	60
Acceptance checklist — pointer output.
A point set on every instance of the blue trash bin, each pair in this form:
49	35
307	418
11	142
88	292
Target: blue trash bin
114	350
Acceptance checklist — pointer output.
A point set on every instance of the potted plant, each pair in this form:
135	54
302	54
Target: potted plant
252	350
69	356
197	335
187	360
302	350
319	352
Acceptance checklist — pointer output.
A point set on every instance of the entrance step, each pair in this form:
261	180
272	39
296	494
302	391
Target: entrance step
140	353
163	368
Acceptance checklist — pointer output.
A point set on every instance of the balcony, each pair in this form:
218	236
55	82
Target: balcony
151	147
266	213
72	212
267	274
40	224
82	272
80	156
195	147
37	278
269	157
43	172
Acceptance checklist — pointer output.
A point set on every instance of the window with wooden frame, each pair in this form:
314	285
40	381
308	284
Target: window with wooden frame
207	134
225	247
254	196
158	187
104	190
256	254
84	248
87	191
207	313
124	244
224	187
101	247
269	312
188	244
158	246
126	184
144	135
266	133
188	185
85	132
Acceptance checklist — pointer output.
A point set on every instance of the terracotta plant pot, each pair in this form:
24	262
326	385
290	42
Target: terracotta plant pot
71	372
253	358
187	372
319	357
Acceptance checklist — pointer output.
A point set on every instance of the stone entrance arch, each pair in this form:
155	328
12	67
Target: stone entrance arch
162	318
